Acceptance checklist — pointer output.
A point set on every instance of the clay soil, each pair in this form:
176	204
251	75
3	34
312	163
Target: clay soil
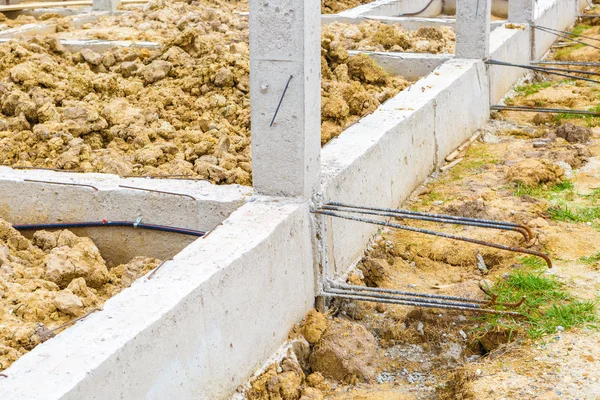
523	168
181	110
8	23
49	281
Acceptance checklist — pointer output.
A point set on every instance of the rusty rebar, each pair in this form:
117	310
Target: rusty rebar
158	191
62	183
439	234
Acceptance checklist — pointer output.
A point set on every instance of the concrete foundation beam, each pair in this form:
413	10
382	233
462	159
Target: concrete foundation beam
520	11
105	5
285	92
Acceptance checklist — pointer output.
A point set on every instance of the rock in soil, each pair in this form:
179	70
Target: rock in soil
574	133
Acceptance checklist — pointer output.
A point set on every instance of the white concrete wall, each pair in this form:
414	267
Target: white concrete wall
197	330
380	160
411	66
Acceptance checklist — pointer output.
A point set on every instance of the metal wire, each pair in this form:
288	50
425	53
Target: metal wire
525	231
543	110
410	14
439	234
158	191
351	296
578	63
287	85
567	33
564	36
592	7
539	69
62	183
99	224
413	294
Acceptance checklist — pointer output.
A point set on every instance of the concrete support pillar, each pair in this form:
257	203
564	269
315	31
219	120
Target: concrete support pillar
520	11
473	29
105	5
285	52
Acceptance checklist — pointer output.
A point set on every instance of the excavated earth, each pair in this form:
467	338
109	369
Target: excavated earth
370	351
51	280
182	110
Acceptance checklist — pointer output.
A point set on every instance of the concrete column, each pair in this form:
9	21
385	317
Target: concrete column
105	5
473	29
520	11
285	41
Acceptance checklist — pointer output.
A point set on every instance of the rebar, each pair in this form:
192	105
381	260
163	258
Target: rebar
157	268
564	37
373	299
287	85
158	191
566	33
445	219
539	69
62	183
544	110
439	234
577	63
410	14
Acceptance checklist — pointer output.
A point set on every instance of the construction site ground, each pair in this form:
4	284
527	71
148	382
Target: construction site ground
542	170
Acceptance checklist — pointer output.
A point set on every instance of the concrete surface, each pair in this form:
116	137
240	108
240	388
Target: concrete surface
411	66
285	49
473	29
202	207
197	330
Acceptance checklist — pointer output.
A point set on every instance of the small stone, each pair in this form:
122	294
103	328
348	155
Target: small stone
438	202
67	302
91	57
224	78
156	70
560	328
463	334
420	327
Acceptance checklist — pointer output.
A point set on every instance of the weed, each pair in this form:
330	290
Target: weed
532	262
578	30
594	258
544	192
566	214
590	121
527	90
546	304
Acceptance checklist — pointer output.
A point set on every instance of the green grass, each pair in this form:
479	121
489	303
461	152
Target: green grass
527	90
547	305
594	258
545	192
578	30
590	121
567	214
476	160
532	262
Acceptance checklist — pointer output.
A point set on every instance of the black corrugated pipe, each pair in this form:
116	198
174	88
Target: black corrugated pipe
105	223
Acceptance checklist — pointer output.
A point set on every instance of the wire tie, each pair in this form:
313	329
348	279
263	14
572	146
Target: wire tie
137	222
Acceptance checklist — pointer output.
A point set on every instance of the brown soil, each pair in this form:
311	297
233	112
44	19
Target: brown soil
8	23
183	110
336	6
50	280
378	36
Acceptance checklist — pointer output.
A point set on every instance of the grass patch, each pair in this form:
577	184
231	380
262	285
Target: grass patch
563	53
566	214
591	259
579	29
476	160
589	120
545	192
547	305
532	262
527	90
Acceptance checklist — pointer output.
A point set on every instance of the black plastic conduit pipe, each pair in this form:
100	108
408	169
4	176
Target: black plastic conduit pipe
105	223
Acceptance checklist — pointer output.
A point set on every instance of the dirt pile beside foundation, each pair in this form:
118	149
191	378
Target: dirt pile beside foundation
378	36
534	172
50	280
336	6
183	110
574	134
8	23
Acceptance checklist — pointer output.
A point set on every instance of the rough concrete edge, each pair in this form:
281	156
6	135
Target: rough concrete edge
50	27
254	284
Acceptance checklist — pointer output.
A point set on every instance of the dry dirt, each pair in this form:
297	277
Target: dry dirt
51	280
433	354
183	110
8	23
378	36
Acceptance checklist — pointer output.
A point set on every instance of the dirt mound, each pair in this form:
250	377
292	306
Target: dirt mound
336	6
471	209
183	110
346	352
379	36
573	133
49	281
314	326
532	172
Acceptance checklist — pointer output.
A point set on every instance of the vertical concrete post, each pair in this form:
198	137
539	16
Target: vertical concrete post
105	5
520	11
285	53
473	28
